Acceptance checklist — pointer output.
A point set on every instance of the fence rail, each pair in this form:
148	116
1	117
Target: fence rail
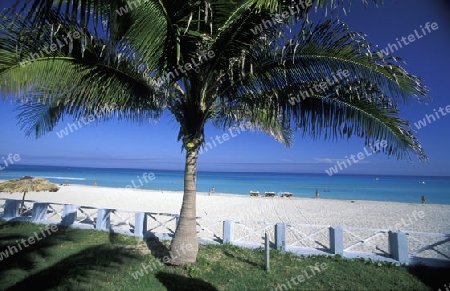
378	244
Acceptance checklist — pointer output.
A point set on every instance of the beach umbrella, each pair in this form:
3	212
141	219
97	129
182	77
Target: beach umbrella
27	184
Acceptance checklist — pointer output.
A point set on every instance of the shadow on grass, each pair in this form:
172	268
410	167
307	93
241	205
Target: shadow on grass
79	265
179	283
156	247
17	255
114	237
230	255
82	269
433	277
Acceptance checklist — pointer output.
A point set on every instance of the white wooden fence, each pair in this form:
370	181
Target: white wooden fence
378	244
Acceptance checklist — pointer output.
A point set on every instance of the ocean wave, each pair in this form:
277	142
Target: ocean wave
66	178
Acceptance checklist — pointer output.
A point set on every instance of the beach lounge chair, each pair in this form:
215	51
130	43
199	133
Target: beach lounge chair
269	194
254	193
286	194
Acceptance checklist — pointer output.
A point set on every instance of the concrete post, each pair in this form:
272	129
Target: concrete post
39	212
267	251
336	240
398	246
103	219
11	208
280	236
140	225
69	214
228	229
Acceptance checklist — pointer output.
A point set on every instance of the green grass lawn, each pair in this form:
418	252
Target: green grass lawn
73	259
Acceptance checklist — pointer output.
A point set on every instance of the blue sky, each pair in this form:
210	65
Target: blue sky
123	144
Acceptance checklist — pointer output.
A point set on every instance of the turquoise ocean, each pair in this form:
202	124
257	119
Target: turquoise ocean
349	187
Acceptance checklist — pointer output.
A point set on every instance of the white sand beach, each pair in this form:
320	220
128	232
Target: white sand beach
359	213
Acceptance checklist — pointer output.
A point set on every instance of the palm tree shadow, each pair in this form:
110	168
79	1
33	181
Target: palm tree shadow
156	247
433	277
20	256
175	282
83	268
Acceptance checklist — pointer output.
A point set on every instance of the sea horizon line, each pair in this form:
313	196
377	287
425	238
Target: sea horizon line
228	171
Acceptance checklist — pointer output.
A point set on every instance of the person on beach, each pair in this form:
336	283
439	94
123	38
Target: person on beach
424	199
317	193
212	190
95	182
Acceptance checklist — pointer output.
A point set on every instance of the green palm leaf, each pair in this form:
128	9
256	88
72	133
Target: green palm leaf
77	79
274	75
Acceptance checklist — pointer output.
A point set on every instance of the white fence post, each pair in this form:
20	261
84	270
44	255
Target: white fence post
39	212
103	219
398	246
228	229
69	214
11	208
140	225
280	236
336	240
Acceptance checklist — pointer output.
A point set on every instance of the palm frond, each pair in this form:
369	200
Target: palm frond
314	57
75	78
255	120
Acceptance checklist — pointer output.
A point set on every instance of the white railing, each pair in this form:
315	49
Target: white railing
367	240
378	244
308	236
429	245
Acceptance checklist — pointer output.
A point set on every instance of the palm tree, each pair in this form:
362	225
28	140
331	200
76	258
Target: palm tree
323	80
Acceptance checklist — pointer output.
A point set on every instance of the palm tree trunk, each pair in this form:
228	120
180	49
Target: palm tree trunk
184	247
